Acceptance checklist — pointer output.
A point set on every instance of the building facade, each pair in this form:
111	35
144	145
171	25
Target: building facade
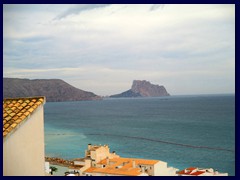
23	137
99	161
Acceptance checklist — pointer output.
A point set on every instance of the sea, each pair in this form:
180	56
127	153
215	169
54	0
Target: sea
184	131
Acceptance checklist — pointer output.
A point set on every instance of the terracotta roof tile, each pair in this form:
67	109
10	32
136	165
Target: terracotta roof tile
14	125
17	110
31	103
4	133
12	114
197	173
27	101
22	117
130	172
26	113
24	104
126	169
4	115
9	111
193	171
14	108
20	107
7	118
18	121
34	106
17	104
31	110
19	114
15	118
38	103
6	125
9	129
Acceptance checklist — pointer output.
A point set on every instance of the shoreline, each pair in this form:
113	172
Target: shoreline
58	161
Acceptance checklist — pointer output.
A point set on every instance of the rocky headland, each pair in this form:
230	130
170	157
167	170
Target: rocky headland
143	89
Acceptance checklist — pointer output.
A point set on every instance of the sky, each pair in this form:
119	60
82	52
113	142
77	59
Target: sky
102	48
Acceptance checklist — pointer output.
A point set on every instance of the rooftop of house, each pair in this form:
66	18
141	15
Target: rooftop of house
17	110
129	172
121	166
193	171
129	160
95	147
75	167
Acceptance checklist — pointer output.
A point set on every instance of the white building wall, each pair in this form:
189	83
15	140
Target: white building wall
161	169
81	163
23	150
86	166
101	153
47	167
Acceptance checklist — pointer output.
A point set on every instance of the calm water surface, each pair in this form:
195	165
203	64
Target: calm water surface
181	130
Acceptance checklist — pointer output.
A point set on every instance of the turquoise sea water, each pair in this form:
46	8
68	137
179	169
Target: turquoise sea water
184	131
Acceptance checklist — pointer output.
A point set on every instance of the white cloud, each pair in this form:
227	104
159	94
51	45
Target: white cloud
156	6
78	8
113	44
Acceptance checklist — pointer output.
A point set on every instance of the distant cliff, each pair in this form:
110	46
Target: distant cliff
143	89
53	89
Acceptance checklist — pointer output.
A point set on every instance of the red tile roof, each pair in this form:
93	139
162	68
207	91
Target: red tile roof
197	173
17	110
121	166
192	171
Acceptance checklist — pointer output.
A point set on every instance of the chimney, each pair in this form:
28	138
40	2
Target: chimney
134	164
89	146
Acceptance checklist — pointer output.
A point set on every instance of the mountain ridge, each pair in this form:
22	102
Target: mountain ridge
55	90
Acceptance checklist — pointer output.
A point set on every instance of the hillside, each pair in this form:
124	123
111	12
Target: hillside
53	89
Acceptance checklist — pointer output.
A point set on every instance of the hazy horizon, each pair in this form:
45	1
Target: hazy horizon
233	93
102	48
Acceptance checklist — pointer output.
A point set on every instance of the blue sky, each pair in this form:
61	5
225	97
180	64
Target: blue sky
190	49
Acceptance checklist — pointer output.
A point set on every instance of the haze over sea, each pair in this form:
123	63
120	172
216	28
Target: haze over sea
184	131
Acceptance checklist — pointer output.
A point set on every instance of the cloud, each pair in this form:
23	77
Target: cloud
156	6
177	47
35	39
76	9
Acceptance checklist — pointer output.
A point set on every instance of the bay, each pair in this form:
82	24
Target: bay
184	131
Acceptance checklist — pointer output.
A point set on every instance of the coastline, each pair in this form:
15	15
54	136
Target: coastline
58	161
